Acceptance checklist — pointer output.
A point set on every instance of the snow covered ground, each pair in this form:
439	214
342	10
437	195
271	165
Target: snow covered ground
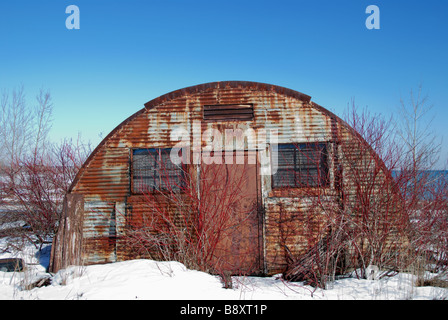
147	279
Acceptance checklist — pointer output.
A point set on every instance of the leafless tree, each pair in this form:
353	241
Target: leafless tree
15	126
23	128
359	223
421	146
424	191
391	212
36	173
42	182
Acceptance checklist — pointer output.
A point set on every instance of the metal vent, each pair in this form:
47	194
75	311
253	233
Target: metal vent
229	112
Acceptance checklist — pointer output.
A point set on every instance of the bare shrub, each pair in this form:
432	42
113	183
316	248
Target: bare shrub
37	186
391	211
35	173
362	223
189	219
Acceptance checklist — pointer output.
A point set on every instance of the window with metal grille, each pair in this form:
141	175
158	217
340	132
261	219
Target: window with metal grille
152	169
229	112
301	165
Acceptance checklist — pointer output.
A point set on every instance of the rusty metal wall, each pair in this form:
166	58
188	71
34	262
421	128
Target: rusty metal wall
104	180
67	244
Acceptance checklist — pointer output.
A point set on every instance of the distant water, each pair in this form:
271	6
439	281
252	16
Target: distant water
436	174
435	179
438	177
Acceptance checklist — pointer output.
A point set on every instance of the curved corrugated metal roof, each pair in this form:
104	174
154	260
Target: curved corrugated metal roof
198	89
249	85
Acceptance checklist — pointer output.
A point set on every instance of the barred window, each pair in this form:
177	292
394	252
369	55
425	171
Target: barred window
301	165
152	169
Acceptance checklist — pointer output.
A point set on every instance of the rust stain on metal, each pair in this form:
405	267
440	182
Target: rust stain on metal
104	182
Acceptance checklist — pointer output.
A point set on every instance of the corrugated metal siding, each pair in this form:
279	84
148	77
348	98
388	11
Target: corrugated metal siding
105	178
369	191
67	244
156	214
293	225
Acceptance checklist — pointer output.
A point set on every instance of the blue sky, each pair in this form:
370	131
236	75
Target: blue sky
129	52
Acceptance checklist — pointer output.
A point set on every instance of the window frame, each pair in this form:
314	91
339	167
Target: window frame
322	180
158	185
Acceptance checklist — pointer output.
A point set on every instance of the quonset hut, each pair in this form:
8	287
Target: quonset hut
241	176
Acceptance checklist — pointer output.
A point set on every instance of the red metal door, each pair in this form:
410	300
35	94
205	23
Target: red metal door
229	194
